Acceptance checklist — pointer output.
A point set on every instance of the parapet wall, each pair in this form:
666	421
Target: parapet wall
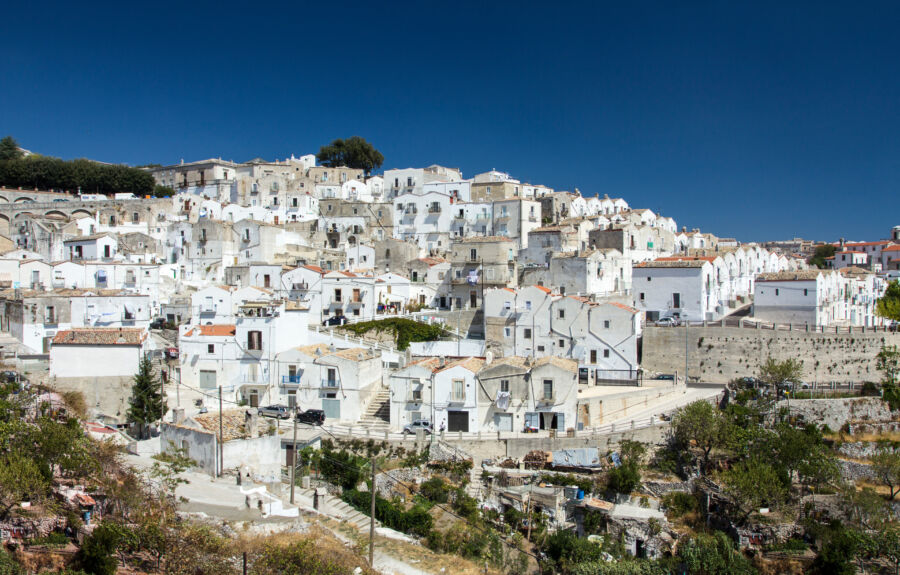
720	354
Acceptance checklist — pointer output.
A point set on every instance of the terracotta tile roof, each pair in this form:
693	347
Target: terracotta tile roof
623	306
311	350
482	240
100	336
316	269
861	244
473	364
849	252
86	238
216	330
355	354
854	271
433	261
673	264
561	362
802	275
543	289
894	248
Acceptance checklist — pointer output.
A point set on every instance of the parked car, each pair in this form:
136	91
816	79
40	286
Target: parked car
276	411
335	320
311	416
419	424
158	323
668	321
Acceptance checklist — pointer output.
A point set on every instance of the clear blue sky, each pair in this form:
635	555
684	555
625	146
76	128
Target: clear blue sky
762	120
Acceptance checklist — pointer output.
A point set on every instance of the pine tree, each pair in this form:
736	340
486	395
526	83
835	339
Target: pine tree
146	403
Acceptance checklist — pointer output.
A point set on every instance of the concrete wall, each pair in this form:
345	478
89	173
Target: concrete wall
88	361
200	445
106	397
720	354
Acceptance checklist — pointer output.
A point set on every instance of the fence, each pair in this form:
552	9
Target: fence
587	433
749	323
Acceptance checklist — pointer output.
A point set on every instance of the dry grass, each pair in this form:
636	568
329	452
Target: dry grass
863	437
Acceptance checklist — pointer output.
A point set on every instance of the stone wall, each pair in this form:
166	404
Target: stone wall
836	412
720	354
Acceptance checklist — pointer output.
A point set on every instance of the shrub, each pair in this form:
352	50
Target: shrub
415	521
678	503
625	478
97	554
435	490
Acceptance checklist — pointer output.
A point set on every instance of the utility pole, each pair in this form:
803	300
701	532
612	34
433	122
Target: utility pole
221	436
372	520
294	458
528	510
686	351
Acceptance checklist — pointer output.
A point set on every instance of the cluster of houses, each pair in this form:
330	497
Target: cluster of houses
251	265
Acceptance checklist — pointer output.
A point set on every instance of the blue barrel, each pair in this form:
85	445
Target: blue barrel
581	494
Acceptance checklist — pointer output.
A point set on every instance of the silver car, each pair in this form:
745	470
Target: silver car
276	411
419	424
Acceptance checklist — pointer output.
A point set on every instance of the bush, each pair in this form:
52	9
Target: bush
415	521
625	478
404	330
97	554
54	538
435	490
678	503
464	505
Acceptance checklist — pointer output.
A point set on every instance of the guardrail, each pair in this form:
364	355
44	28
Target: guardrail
750	323
588	433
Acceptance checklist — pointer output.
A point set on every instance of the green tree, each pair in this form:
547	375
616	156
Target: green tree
624	478
822	253
97	555
753	484
886	467
888	306
21	480
701	425
146	404
354	152
9	149
713	555
838	550
776	373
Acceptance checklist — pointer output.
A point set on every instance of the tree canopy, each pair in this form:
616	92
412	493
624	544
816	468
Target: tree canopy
354	152
776	373
822	252
146	403
47	173
889	305
9	149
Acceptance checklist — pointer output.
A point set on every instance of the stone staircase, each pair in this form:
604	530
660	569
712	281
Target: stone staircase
337	508
378	412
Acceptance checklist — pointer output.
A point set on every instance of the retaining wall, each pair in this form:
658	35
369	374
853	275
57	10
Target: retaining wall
720	354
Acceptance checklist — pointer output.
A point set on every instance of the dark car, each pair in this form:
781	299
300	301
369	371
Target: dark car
335	320
311	416
276	411
158	323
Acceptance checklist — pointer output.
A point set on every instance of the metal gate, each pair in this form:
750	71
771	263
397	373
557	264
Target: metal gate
332	409
503	421
458	421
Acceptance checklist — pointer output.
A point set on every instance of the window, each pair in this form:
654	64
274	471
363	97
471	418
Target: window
540	348
473	254
605	353
642	296
504	385
254	340
548	389
528	305
506	331
676	300
805	292
562	314
776	292
134	218
417	395
210	348
527	333
649	278
562	343
593	356
337	295
606	324
459	390
292	398
49	314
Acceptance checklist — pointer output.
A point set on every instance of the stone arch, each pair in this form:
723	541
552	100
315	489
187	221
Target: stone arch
81	212
4	199
56	214
24	199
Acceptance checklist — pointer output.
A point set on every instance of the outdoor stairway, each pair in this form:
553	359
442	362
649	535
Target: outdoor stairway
378	412
337	508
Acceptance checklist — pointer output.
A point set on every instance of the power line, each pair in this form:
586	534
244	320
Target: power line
438	505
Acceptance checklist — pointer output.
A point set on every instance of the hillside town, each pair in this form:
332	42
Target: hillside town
589	383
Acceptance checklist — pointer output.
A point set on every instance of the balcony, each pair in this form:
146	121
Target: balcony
455	398
532	218
330	384
290	379
302	286
251	379
434	209
414	396
208	309
547	399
